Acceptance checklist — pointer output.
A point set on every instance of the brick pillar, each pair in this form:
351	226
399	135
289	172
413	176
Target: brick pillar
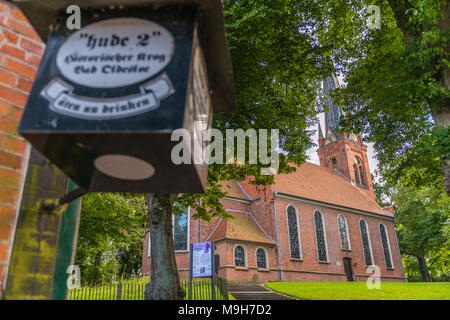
20	54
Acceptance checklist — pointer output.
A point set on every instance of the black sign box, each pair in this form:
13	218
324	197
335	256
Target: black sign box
108	97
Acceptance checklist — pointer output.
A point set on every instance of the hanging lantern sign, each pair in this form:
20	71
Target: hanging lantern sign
108	97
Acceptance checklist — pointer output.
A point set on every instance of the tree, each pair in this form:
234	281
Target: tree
110	236
398	83
277	65
422	228
383	191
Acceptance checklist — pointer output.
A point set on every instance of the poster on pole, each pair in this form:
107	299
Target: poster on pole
202	257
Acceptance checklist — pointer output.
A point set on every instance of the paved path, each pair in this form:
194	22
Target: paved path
254	292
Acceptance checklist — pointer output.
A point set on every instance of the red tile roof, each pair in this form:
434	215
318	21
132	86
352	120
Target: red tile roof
319	183
233	190
242	227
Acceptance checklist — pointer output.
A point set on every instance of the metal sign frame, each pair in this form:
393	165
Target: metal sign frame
213	269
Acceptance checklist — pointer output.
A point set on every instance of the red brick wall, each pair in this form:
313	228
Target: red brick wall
20	53
199	231
331	271
344	151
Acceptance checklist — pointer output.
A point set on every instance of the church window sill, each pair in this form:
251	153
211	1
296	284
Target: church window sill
263	270
295	259
241	268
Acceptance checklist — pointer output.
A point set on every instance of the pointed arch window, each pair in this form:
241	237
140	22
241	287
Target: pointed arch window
386	246
320	237
293	231
239	256
261	258
343	232
365	242
333	163
359	171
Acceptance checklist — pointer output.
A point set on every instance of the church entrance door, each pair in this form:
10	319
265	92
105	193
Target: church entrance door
348	268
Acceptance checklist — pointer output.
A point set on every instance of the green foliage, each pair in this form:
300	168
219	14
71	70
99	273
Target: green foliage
277	68
420	165
383	191
110	236
397	85
423	219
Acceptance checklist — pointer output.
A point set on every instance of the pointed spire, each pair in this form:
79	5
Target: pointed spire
320	131
333	114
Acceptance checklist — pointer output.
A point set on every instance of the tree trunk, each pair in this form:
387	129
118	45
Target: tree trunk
423	268
442	119
164	280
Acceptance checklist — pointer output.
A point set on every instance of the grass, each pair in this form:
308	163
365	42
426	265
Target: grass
134	290
359	290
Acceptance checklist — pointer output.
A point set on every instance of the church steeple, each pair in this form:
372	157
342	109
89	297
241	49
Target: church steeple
320	132
334	111
344	153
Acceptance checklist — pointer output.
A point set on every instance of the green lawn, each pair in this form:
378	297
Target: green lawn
359	290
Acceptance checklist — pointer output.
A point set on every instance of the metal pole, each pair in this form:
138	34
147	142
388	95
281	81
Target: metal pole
213	270
190	271
67	243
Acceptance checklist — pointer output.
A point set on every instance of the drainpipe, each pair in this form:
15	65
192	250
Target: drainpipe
276	235
199	226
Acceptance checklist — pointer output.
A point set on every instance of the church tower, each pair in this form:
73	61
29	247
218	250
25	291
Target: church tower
345	153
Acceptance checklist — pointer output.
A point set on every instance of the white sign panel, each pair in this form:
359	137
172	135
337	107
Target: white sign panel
202	259
62	100
115	53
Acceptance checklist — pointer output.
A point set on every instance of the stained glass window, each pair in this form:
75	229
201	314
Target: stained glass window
385	243
293	233
365	242
320	237
180	231
239	256
261	260
343	233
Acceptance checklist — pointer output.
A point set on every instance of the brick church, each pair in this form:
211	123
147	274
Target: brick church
321	223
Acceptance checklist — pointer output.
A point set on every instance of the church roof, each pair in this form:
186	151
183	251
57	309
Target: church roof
241	227
322	184
233	190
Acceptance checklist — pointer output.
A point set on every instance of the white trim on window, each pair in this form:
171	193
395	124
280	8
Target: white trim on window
266	254
368	239
149	244
346	229
389	245
324	235
298	232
